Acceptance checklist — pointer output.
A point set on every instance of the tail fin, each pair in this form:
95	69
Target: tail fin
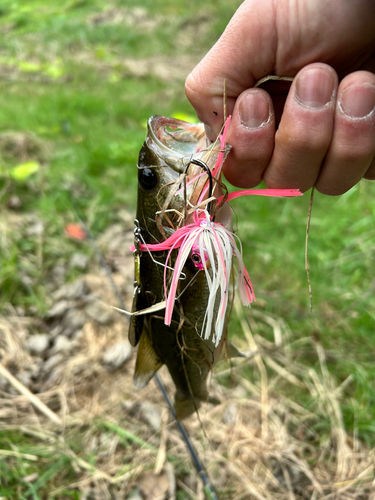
186	407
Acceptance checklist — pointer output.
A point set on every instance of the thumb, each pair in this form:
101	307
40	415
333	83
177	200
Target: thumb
244	54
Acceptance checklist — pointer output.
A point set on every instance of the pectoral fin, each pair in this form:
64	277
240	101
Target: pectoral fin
147	363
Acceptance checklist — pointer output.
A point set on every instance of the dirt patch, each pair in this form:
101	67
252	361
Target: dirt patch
23	146
166	68
134	17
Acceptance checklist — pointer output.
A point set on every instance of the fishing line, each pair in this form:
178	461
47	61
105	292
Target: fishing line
198	464
208	488
307	264
138	234
187	286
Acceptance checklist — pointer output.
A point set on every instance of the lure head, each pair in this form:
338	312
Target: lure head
196	257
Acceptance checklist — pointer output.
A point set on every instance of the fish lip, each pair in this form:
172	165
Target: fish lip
173	158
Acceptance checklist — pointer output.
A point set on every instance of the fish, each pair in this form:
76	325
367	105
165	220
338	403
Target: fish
176	180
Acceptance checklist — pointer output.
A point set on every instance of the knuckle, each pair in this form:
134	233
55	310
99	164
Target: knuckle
353	152
304	139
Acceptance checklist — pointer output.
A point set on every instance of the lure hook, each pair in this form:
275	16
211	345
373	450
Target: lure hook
201	164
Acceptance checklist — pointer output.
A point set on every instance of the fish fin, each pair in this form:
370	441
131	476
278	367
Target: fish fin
185	407
148	362
231	351
135	327
136	322
213	401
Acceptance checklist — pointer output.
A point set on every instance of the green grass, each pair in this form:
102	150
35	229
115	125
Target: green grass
29	456
65	83
341	256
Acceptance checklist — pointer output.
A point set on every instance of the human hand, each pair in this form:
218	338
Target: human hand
326	122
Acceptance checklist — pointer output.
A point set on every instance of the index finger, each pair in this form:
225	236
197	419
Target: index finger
243	55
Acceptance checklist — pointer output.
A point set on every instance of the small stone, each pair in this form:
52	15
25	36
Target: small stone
128	405
154	486
230	414
117	354
79	261
38	343
135	494
73	320
31	478
3	383
58	309
77	290
152	414
77	336
14	202
52	362
20	311
62	344
99	312
56	331
58	273
35	226
24	377
72	291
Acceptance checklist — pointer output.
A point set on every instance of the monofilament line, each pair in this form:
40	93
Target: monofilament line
307	265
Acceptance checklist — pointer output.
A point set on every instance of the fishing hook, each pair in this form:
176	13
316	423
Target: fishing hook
201	164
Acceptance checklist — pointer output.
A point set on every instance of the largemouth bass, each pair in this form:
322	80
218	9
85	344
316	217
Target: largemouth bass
170	185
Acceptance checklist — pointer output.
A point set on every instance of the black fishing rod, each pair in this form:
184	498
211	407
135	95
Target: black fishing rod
208	488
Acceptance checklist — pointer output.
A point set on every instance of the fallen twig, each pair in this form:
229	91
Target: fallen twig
30	396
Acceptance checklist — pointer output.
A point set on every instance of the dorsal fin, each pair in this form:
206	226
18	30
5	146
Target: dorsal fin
147	363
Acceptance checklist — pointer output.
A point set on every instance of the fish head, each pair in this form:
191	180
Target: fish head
168	181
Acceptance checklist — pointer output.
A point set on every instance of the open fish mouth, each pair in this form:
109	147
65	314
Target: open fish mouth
176	136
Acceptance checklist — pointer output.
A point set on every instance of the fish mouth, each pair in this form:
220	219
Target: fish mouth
179	140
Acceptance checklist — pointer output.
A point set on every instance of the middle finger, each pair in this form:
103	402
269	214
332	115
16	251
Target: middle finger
305	130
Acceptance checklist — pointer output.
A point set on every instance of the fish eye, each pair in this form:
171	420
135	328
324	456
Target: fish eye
196	258
148	178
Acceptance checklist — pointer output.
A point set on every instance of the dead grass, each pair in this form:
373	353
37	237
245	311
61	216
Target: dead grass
257	444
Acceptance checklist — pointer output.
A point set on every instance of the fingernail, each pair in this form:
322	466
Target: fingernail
315	87
358	101
254	110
